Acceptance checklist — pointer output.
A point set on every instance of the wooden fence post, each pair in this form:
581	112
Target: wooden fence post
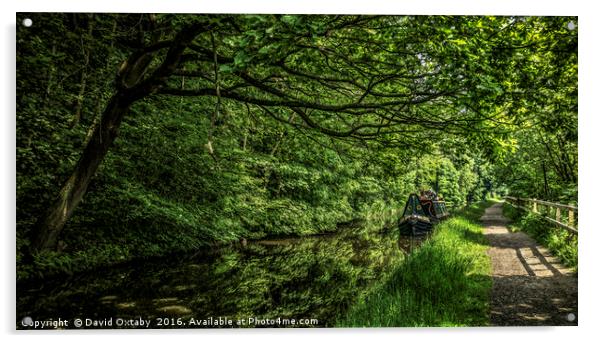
546	210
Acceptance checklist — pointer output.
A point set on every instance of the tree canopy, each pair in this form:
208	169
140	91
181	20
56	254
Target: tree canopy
146	133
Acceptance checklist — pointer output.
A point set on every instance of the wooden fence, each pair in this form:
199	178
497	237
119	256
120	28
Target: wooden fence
561	215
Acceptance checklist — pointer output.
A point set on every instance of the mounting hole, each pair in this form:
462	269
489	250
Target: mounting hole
571	317
571	26
27	22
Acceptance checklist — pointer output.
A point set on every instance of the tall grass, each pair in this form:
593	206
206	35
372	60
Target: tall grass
560	242
446	282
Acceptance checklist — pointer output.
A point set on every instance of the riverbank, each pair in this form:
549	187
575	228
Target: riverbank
311	277
177	241
444	283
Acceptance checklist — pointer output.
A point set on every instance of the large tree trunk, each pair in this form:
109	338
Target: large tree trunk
49	226
132	87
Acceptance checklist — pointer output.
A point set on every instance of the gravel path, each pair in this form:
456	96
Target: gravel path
530	286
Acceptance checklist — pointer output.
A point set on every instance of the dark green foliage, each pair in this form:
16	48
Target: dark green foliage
540	159
162	193
322	121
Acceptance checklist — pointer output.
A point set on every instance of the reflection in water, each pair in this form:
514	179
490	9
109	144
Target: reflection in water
316	277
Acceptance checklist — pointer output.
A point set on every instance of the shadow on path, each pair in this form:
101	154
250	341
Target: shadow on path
530	285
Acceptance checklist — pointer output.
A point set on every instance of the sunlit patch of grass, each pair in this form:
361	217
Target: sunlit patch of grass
175	310
444	283
126	305
165	300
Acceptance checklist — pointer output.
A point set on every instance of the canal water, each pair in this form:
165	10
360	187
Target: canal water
268	283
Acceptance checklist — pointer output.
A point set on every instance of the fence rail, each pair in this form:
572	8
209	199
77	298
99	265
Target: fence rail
566	220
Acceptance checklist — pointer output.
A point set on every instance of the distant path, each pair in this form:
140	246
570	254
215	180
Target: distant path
530	286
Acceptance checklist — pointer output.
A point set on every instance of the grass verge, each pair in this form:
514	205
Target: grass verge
560	242
444	283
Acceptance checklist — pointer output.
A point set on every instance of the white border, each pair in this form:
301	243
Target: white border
477	7
589	160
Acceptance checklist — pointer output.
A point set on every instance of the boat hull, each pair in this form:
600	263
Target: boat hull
420	215
415	227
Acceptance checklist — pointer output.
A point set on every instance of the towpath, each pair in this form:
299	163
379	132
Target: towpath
530	285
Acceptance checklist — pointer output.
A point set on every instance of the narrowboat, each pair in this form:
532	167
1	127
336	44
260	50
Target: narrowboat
421	213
